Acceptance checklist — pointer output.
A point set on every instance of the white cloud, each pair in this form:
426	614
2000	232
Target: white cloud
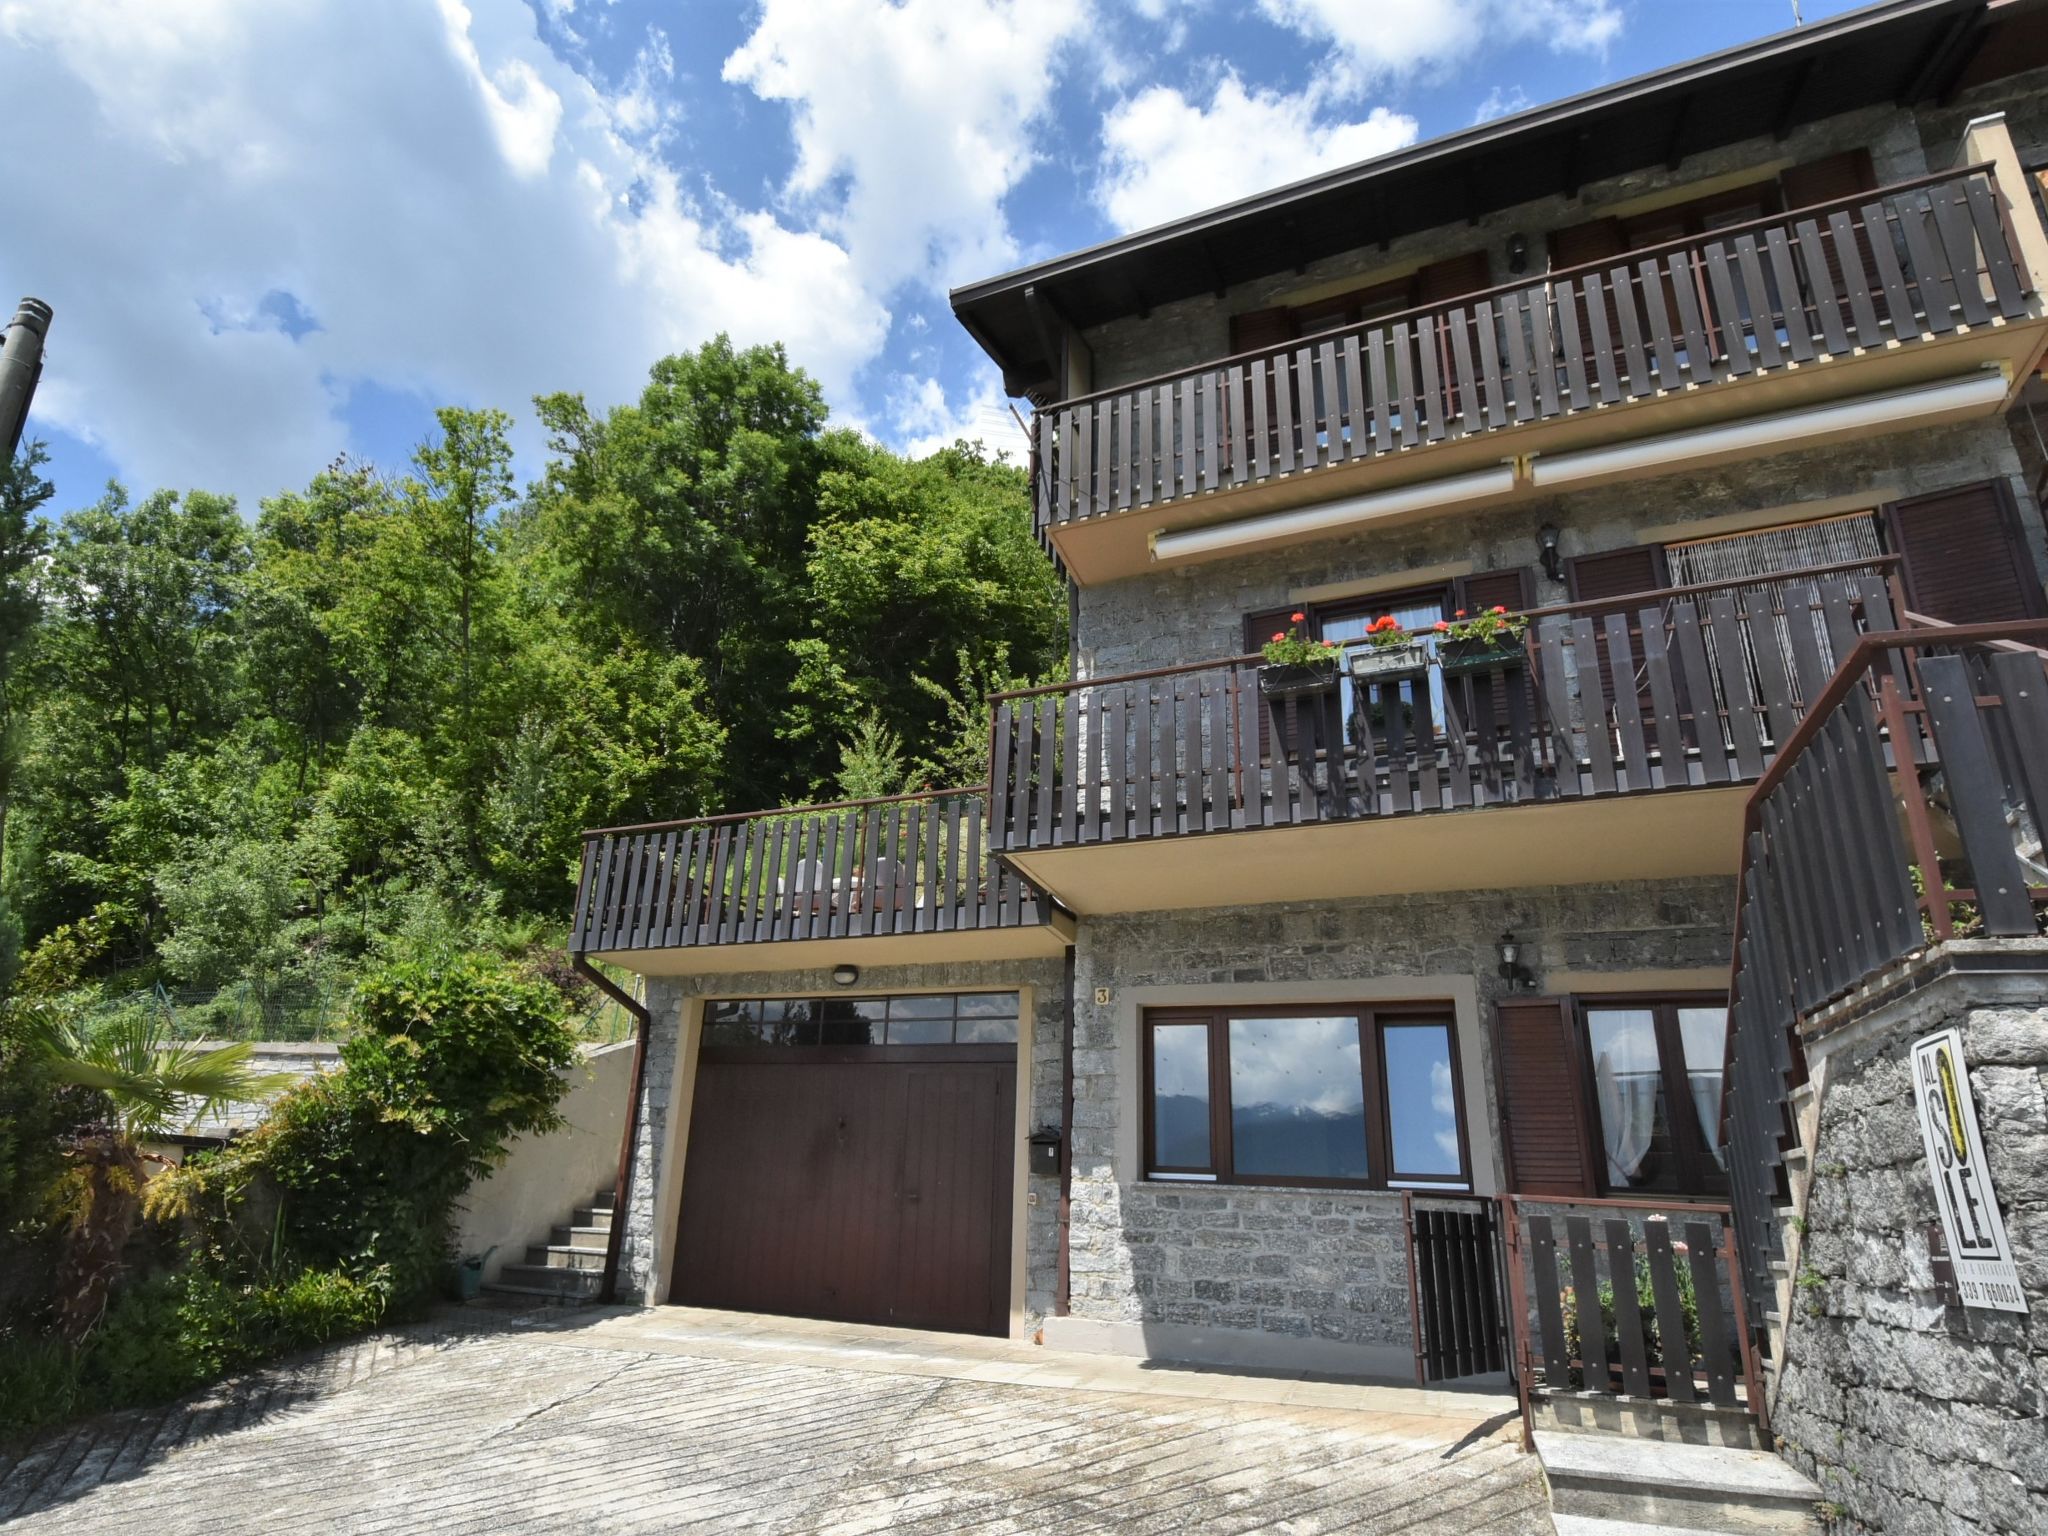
1165	156
1397	37
912	121
452	208
1501	103
925	419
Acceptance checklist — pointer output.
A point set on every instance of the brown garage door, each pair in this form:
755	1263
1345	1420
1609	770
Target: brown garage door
867	1183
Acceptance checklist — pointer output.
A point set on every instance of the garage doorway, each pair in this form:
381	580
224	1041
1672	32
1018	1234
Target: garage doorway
852	1159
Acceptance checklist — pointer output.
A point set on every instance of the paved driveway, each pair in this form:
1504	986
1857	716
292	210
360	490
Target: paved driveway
676	1420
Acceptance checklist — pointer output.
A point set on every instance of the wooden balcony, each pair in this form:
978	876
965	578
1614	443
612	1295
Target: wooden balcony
1615	744
1923	280
868	881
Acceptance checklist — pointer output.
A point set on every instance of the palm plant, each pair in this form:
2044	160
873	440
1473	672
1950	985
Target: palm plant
154	1087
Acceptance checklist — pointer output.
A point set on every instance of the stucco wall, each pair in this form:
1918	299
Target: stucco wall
675	1005
1193	612
544	1178
1911	1415
1317	1265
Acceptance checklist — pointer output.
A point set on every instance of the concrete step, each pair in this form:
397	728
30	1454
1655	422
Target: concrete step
532	1293
1693	1487
1587	1525
581	1237
602	1200
549	1279
563	1256
595	1219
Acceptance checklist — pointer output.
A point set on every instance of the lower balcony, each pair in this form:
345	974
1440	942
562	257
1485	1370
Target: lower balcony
1616	741
868	882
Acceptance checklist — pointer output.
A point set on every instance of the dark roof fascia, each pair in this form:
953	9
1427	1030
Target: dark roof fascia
1678	79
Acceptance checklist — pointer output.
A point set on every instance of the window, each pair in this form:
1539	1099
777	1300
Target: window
973	1018
1340	1095
1656	1070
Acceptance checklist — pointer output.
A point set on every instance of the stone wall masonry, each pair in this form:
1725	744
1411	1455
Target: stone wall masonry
1318	1263
1911	1415
1040	1078
1194	612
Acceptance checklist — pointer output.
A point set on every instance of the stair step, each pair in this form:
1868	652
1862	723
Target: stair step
551	1278
580	1237
602	1200
596	1221
1695	1487
1794	1157
1592	1525
564	1256
561	1298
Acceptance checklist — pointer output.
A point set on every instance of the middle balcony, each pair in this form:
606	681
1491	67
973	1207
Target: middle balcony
1615	741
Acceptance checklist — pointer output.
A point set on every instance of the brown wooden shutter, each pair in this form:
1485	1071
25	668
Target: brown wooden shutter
1824	181
1594	240
1257	329
1512	589
1545	1134
1258	629
1964	558
1615	572
1453	278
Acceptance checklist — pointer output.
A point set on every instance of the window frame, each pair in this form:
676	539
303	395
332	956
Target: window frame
1372	1020
1700	1177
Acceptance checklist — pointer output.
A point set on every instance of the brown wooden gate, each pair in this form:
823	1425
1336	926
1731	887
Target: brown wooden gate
1454	1283
859	1183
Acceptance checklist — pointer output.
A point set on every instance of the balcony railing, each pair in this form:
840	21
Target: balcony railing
1668	689
902	865
1837	886
1903	264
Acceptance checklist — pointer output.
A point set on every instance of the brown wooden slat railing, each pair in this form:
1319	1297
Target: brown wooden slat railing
1693	686
905	864
1916	260
1837	886
1629	1299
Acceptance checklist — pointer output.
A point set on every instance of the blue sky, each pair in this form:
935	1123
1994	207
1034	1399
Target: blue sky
275	231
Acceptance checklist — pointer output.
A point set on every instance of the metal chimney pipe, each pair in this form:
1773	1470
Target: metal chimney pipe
21	364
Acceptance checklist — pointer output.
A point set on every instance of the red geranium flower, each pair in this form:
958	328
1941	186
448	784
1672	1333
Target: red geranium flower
1298	617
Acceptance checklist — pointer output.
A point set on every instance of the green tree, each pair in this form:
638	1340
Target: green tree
23	540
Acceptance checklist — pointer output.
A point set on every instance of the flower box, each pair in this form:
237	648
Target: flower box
1390	663
1479	655
1294	680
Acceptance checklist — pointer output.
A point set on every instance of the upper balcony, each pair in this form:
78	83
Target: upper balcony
1614	743
886	881
1915	303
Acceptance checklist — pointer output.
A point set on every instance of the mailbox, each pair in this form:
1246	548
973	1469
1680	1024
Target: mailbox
1045	1152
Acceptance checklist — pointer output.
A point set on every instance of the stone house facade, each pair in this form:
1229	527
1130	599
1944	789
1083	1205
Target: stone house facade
1242	981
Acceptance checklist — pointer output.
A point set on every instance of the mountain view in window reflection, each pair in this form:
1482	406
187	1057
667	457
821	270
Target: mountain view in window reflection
1297	1099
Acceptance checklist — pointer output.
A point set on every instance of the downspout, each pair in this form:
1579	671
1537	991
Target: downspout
622	1182
1064	1285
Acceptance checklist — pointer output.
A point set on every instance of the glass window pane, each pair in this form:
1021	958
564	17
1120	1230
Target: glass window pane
1705	1033
1415	615
1297	1101
793	1021
921	1007
851	1021
995	1005
1628	1084
1422	1107
972	1031
1180	1096
920	1031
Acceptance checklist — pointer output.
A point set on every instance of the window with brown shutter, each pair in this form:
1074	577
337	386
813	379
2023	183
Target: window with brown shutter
1965	560
1545	1136
1258	629
1257	329
1619	573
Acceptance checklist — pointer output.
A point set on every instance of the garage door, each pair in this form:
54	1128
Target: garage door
852	1159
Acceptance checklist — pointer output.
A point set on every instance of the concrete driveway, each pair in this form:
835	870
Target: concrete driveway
674	1419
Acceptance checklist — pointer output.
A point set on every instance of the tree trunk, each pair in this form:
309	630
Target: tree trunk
109	1199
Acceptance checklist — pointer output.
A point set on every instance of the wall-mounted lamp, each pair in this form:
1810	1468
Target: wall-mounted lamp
1518	253
845	975
1546	549
1512	969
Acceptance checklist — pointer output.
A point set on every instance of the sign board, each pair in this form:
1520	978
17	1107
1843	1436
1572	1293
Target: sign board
1977	1245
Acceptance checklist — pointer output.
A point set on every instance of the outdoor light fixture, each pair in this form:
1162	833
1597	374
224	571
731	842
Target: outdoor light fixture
1972	391
1512	970
1518	253
845	975
1546	550
1329	516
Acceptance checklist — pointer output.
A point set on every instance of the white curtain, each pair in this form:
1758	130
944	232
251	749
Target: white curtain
1628	1117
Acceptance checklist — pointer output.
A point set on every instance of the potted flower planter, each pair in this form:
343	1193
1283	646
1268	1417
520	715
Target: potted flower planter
1479	655
1390	663
1294	680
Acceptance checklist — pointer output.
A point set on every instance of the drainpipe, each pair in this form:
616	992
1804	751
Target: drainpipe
1063	1291
622	1182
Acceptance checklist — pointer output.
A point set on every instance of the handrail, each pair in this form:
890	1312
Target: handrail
1539	279
782	810
1604	604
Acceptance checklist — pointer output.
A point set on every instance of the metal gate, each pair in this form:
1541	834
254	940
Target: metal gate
1455	1287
